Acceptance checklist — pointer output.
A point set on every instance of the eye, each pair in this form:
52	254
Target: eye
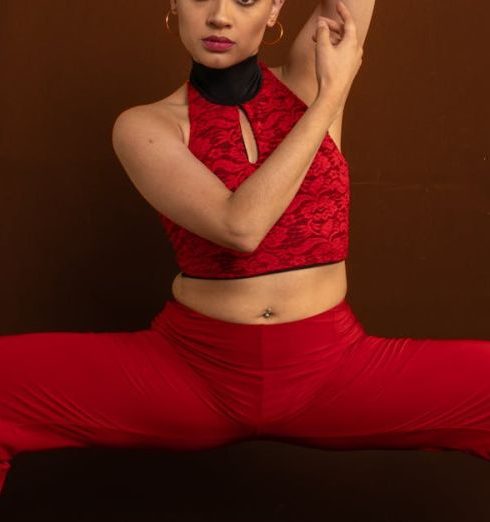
241	2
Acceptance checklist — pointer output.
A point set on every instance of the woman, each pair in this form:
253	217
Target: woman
243	164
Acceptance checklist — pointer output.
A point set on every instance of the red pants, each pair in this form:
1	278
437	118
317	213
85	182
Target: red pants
190	382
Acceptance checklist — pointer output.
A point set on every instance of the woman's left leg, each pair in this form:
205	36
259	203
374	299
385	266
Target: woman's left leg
399	393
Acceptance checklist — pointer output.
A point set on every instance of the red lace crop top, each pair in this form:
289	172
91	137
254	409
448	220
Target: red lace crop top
314	228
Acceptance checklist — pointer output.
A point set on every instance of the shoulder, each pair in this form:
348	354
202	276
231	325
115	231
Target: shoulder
137	129
156	116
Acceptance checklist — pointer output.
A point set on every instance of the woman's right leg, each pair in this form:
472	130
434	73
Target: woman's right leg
123	389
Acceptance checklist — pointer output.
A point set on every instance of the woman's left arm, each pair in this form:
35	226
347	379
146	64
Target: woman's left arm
361	10
300	64
299	71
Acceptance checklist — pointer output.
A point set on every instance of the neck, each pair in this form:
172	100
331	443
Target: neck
232	85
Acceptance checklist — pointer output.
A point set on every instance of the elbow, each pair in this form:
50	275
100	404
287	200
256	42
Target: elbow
249	247
244	243
240	240
241	236
252	243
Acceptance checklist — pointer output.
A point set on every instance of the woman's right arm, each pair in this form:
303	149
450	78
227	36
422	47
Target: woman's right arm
177	184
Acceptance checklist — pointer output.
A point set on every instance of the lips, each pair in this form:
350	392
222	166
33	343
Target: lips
220	39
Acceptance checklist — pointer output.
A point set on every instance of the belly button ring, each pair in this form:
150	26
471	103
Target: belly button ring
268	312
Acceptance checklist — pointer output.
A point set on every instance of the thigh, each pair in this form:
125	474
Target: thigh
402	393
112	388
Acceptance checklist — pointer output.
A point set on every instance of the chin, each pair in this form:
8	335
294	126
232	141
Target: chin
217	59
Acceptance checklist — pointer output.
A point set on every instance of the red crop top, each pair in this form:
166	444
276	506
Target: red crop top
313	230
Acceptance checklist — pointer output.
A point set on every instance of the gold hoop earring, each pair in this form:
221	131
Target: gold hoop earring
280	36
166	22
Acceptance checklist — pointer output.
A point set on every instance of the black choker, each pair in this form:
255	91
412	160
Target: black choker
233	85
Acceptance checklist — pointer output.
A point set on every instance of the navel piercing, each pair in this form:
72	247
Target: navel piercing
268	312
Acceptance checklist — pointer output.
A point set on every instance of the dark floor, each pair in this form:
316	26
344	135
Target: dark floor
260	481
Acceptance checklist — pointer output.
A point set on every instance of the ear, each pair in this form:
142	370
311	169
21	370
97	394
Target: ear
275	10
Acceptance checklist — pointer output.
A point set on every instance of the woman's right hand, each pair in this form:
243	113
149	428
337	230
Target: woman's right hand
337	63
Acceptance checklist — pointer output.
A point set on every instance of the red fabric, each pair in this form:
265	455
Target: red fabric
312	230
192	382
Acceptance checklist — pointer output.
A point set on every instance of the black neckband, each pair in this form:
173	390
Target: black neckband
233	85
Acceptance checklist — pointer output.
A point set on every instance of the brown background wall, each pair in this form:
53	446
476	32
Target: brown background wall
82	250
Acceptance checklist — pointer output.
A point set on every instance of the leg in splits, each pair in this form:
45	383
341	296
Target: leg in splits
399	393
126	389
193	382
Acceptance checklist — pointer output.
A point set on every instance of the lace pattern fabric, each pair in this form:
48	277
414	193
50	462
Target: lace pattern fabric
313	229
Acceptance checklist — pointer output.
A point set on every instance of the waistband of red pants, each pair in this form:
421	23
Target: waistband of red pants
340	316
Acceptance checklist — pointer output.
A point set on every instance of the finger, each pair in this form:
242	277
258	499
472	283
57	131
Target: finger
323	24
342	10
332	24
323	32
349	25
334	38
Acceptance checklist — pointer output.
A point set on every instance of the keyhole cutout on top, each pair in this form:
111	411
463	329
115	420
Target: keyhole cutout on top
248	138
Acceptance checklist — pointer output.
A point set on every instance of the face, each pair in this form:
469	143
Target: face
242	21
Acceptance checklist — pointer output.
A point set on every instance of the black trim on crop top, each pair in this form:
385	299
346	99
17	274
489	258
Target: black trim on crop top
232	85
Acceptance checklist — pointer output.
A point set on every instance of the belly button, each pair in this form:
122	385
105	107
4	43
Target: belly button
268	312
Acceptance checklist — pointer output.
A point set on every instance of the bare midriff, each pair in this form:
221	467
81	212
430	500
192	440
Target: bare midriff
271	298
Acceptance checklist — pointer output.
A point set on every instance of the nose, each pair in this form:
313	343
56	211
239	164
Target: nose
218	16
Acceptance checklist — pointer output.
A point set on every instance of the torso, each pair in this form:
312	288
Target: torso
289	295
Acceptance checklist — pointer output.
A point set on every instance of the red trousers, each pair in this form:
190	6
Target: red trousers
190	382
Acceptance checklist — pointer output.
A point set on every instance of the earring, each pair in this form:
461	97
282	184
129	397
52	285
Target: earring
280	36
166	22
